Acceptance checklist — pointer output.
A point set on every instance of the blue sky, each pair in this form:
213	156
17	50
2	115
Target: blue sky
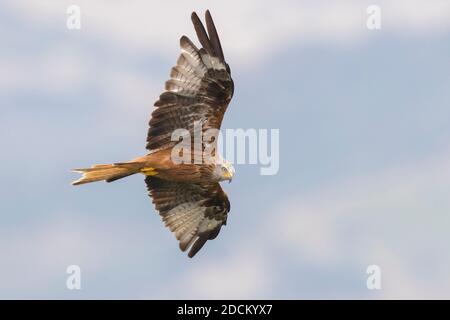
364	124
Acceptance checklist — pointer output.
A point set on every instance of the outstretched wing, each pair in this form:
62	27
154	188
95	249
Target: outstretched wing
193	212
199	90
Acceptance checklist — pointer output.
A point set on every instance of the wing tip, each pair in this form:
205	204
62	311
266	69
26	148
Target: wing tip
208	14
194	16
185	42
202	35
197	245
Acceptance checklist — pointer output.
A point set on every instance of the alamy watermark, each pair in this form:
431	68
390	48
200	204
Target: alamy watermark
239	146
373	21
73	21
73	281
374	279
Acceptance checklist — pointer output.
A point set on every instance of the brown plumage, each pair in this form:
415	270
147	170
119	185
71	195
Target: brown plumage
188	196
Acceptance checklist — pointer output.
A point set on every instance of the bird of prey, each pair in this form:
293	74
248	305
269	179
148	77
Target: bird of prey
187	195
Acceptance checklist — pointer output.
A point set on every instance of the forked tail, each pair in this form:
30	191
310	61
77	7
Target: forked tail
107	172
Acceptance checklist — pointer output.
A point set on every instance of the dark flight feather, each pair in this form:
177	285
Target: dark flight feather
199	89
213	36
201	33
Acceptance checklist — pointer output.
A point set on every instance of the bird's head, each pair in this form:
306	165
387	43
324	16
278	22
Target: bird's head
225	170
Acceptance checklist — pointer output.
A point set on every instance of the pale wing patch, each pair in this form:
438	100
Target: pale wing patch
194	213
188	221
190	58
211	62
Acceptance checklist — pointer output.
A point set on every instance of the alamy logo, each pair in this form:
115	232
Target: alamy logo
374	20
250	146
73	281
374	279
74	19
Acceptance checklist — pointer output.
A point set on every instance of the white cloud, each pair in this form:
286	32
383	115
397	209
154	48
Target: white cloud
61	69
394	219
252	31
244	275
35	256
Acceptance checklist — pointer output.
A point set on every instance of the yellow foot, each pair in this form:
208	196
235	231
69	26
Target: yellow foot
149	171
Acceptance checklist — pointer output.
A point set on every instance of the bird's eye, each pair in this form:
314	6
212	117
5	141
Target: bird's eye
224	169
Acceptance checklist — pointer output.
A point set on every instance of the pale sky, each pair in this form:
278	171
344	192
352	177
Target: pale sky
364	175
